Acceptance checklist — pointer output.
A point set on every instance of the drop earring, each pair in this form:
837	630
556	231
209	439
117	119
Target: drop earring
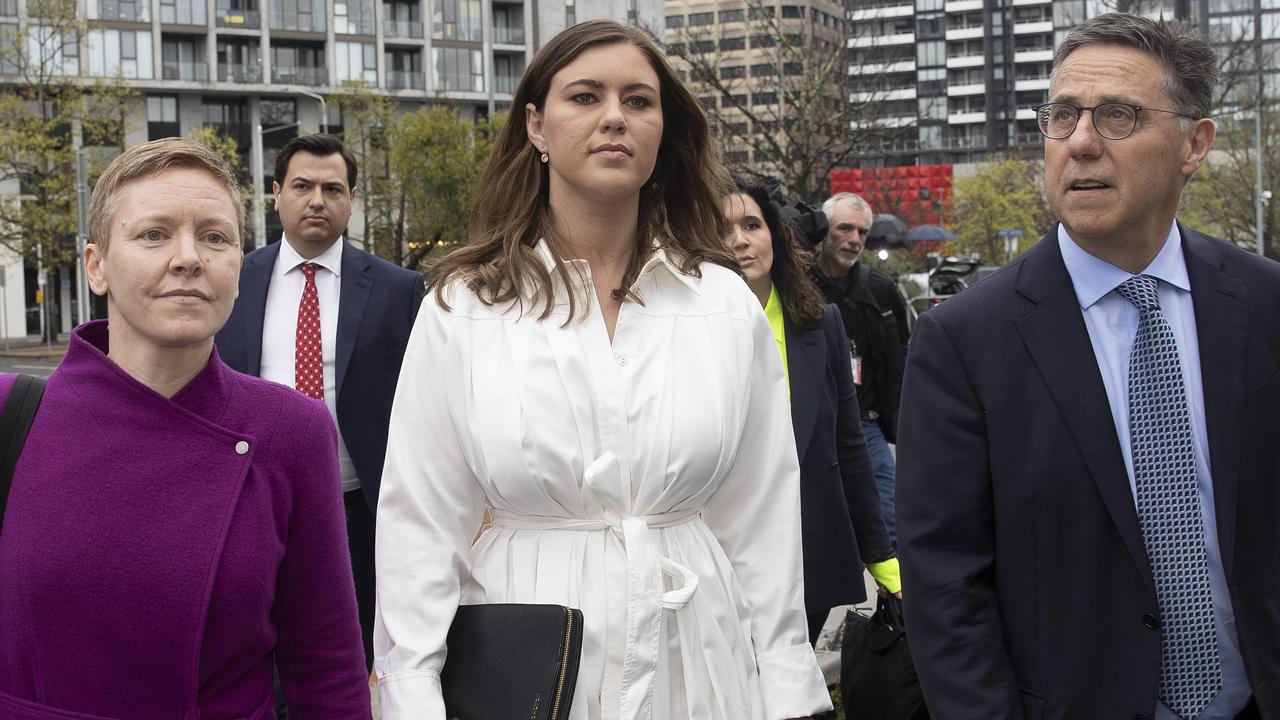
544	158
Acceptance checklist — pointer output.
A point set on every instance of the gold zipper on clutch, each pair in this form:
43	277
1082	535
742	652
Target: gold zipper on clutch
564	664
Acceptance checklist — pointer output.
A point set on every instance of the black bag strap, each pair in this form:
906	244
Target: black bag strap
15	422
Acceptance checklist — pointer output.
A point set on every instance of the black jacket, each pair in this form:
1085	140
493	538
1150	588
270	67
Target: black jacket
875	322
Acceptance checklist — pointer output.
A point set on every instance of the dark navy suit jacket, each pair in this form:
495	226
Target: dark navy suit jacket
1028	589
841	526
379	302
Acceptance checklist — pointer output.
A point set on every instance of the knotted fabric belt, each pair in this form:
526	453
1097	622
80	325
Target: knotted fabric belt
629	674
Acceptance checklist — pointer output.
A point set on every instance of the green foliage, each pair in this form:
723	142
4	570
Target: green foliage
440	158
1219	199
1001	195
370	131
226	147
47	112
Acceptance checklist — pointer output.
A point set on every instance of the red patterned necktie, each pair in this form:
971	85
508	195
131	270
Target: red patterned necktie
308	361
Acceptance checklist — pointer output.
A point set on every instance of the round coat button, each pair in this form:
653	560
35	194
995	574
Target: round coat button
1151	621
242	447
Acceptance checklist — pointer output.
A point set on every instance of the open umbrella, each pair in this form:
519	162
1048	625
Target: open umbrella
886	231
929	233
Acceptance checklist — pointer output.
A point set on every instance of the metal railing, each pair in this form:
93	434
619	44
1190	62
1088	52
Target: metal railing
406	80
239	73
239	18
401	28
468	29
299	75
505	84
184	70
344	25
126	12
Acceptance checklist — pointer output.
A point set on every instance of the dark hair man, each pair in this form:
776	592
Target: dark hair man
1089	509
875	321
317	314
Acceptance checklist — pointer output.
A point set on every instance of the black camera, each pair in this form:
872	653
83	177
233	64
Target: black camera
808	222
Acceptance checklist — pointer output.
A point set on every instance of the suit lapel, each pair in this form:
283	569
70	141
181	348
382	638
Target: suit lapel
1054	332
255	279
806	353
1221	308
354	288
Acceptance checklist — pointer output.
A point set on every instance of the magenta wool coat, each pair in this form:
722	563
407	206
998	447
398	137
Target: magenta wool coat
157	553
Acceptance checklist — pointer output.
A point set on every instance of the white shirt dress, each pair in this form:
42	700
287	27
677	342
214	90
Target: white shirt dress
651	483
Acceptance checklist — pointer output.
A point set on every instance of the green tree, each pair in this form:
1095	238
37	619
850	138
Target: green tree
1220	198
49	110
1001	195
225	146
440	157
370	131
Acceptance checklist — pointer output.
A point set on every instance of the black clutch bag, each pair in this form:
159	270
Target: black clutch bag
511	662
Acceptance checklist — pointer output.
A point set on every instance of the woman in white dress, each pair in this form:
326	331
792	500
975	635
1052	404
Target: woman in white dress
593	369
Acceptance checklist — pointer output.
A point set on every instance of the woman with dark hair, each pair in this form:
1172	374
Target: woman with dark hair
594	372
839	505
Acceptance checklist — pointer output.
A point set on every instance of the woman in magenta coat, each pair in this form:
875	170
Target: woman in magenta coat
173	526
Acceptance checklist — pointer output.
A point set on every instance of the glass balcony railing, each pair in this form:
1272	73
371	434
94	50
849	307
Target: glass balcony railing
239	73
343	25
186	14
406	80
508	35
239	18
299	75
505	84
300	22
401	28
185	70
124	11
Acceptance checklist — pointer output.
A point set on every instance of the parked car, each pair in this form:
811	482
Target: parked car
945	277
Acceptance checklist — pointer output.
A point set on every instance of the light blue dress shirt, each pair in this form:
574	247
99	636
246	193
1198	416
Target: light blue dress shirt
1112	323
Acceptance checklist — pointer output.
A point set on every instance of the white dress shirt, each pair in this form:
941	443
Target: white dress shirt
1112	323
280	329
651	482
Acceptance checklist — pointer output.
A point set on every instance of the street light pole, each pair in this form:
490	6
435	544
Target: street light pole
259	194
324	109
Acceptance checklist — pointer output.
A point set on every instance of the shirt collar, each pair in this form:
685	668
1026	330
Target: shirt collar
1093	277
330	259
659	259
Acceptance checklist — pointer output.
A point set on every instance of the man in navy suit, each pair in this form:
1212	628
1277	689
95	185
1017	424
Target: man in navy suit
1089	487
317	314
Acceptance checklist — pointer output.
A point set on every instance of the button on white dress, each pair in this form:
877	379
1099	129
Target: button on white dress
652	483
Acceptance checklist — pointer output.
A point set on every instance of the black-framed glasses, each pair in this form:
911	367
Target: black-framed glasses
1113	121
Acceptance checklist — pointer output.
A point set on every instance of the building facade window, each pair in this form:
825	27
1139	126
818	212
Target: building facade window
298	15
353	17
182	12
701	18
8	8
460	69
356	62
401	19
733	43
120	52
162	117
404	70
120	10
239	61
456	20
238	13
674	21
736	15
277	115
301	64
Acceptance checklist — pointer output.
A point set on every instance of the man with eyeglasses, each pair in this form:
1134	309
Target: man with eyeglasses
875	321
1089	512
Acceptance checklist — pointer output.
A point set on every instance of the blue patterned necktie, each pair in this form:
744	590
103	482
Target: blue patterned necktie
1164	471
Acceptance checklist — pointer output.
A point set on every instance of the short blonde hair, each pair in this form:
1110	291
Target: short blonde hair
148	159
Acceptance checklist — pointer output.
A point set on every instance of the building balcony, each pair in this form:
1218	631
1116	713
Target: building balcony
196	71
884	122
966	61
899	66
411	29
960	90
1034	138
183	14
1039	27
508	35
967	118
247	19
882	40
1028	56
1025	3
888	10
959	6
297	22
964	142
1025	114
898	93
505	84
1031	84
406	80
299	75
239	73
966	33
124	12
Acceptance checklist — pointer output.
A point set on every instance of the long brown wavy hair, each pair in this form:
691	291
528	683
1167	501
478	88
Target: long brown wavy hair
679	203
802	301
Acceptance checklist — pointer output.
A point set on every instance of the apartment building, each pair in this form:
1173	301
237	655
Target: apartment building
738	55
259	71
